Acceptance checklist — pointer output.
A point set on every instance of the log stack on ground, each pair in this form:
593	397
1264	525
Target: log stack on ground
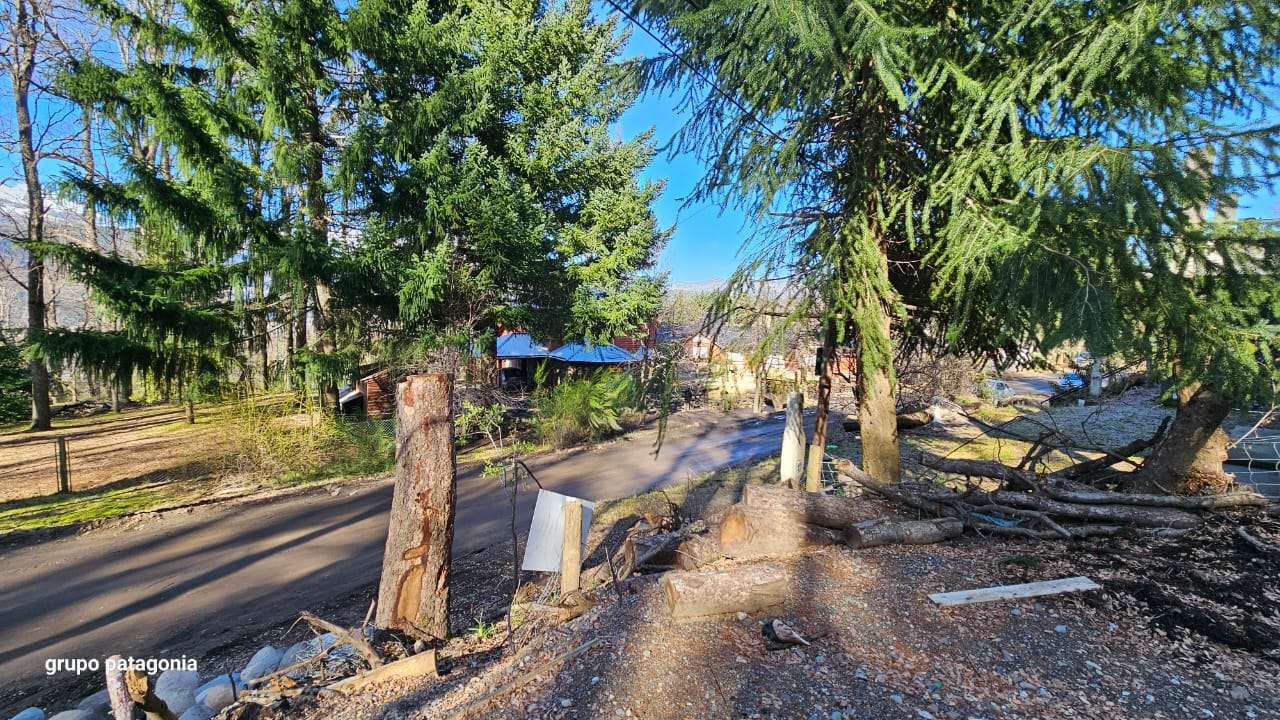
750	532
747	588
874	533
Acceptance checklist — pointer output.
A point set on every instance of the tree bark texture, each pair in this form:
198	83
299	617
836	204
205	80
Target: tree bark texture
748	589
793	441
902	532
748	532
813	470
1188	460
413	594
26	38
877	413
826	511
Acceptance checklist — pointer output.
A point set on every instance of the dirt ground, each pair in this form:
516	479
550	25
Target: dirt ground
1183	628
138	444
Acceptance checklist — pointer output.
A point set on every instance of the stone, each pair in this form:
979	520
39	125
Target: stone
307	649
97	703
217	697
1239	692
199	711
566	702
76	714
1059	628
263	662
177	688
31	713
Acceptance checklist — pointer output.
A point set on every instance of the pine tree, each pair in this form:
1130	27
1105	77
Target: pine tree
185	193
494	197
986	164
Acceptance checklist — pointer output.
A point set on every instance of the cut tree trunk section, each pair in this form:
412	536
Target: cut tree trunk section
749	588
902	532
1188	460
749	532
828	511
413	594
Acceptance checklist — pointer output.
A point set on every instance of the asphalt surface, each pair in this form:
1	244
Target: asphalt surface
190	582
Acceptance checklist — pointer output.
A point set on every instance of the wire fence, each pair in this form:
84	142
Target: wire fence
1256	462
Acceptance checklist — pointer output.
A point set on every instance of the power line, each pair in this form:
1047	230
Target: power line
696	72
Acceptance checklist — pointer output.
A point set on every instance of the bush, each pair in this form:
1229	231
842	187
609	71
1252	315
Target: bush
584	408
15	385
292	441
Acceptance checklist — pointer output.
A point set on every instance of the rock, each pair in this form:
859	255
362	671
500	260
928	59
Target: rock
566	702
199	711
177	688
97	703
1060	628
217	697
31	713
307	649
1239	692
265	661
76	714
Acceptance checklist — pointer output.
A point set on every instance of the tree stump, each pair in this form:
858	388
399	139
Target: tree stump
828	511
697	551
413	594
748	532
793	441
748	589
902	532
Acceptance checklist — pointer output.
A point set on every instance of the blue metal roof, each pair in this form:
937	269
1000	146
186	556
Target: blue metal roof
520	345
602	354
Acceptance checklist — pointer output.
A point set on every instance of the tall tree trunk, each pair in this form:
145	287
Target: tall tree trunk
1189	458
413	594
264	330
318	219
877	399
813	473
26	40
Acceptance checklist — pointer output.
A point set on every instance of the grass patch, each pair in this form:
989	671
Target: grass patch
82	507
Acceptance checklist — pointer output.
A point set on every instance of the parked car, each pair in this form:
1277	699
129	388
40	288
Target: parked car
1070	381
999	389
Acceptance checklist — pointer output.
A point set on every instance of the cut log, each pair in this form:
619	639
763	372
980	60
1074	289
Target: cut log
422	665
749	588
413	594
828	511
748	532
697	551
902	532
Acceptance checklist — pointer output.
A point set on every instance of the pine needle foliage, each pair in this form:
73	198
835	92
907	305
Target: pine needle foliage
494	192
1017	172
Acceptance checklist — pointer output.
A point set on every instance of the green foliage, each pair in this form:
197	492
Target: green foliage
1019	172
293	441
15	384
495	193
583	408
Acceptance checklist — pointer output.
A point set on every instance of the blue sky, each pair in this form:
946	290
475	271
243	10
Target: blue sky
707	239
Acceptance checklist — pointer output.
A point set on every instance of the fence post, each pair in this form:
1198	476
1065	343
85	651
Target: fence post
571	553
60	461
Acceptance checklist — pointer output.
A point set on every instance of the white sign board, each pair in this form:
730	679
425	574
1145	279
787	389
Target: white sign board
546	533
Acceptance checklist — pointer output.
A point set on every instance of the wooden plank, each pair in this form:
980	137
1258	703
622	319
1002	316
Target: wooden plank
1015	592
571	553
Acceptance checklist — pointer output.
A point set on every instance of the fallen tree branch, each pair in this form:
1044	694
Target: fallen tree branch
526	676
1255	543
1111	457
371	655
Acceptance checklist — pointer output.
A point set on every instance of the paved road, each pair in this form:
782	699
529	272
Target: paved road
176	586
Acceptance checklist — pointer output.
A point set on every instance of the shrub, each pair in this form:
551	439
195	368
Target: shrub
15	386
584	408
